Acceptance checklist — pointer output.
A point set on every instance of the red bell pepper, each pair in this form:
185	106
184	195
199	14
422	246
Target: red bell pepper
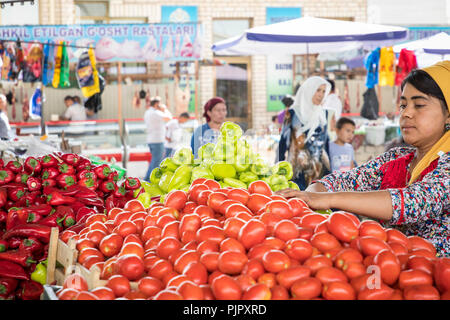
51	221
30	290
14	166
32	165
65	180
14	242
6	176
84	212
49	182
114	176
56	198
86	174
83	163
21	177
48	161
17	192
3	196
69	219
88	183
71	158
16	216
34	184
3	245
38	231
31	245
77	205
120	192
100	193
3	216
66	168
12	270
31	197
50	173
37	212
17	256
132	183
8	285
108	186
102	171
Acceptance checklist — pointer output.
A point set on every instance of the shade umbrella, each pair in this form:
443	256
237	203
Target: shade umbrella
309	35
436	44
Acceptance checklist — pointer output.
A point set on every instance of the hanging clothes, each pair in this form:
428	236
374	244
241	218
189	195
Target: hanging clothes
371	64
65	67
386	73
36	104
370	106
407	61
32	71
346	106
87	74
48	65
57	71
8	62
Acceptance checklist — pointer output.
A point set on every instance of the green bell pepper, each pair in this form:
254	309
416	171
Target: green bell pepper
183	156
247	177
224	151
223	170
155	176
283	168
168	165
278	182
40	273
235	183
293	185
145	198
230	131
206	151
201	172
259	167
152	188
180	177
165	181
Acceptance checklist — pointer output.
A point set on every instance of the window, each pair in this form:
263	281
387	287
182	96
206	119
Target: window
92	12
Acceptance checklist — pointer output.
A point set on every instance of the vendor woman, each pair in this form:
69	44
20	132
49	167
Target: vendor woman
407	188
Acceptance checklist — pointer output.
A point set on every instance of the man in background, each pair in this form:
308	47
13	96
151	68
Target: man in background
74	111
5	129
174	134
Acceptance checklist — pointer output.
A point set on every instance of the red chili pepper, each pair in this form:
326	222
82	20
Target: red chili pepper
56	198
114	176
36	230
79	225
16	193
34	184
120	192
66	168
103	171
31	245
31	290
16	216
17	256
84	212
31	197
65	180
109	202
132	183
6	176
83	164
88	183
3	196
14	166
100	193
50	173
32	165
71	158
51	221
81	191
108	186
3	245
77	205
42	209
69	220
3	216
49	182
48	161
86	174
96	202
21	177
8	285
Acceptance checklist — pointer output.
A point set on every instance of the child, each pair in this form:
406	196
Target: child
342	155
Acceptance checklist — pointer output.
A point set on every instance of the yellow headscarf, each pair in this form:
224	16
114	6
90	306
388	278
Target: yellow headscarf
440	72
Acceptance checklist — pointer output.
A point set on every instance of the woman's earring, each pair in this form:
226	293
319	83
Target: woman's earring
447	126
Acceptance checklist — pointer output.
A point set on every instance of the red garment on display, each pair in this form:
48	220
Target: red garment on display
406	62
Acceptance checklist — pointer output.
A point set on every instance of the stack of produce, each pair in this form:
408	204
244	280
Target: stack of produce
59	190
230	161
234	243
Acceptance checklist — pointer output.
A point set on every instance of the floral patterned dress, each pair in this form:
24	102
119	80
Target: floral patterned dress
421	208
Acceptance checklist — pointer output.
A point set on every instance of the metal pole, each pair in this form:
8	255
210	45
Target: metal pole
43	131
307	60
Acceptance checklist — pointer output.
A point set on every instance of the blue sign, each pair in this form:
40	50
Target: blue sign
179	14
416	33
280	14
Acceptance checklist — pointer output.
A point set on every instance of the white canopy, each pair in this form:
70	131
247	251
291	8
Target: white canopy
436	44
310	35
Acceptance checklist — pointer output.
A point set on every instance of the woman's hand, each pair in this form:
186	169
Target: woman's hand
315	200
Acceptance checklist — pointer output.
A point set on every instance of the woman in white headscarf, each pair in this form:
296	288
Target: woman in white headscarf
304	133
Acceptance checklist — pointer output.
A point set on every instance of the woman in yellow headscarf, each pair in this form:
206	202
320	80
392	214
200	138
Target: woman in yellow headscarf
407	188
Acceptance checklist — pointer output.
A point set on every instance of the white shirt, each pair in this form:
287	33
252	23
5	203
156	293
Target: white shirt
332	102
4	126
75	112
155	125
174	132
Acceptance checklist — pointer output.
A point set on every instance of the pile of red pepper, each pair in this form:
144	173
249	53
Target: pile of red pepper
56	190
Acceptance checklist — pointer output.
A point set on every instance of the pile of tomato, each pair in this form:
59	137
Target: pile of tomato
243	244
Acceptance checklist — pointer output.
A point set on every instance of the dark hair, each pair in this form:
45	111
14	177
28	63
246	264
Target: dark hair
333	85
185	115
68	98
76	99
342	121
423	82
154	101
274	118
210	104
287	100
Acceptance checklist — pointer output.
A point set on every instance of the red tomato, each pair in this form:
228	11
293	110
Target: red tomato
226	288
207	292
231	208
414	277
389	266
257	201
442	274
239	194
168	295
231	244
397	295
287	277
260	187
317	262
354	218
207	246
258	251
150	221
338	290
420	263
298	249
134	205
111	244
305	233
321	227
151	232
232	262
195	190
311	220
282	208
268	279
373	229
197	272
96	236
212	233
119	284
275	243
421	292
131	266
212	184
370	246
171	229
215	200
416	242
297	206
245	281
132	248
176	199
211	222
176	281
190	291
104	293
190	222
67	294
394	235
275	261
86	295
383	292
270	219
279	293
167	246
347	255
398	248
198	181
126	228
203	196
360	282
160	268
342	227
87	253
258	291
109	268
113	213
96	217
210	260
330	274
189	207
75	281
285	230
185	259
306	288
324	241
254	268
90	261
204	211
354	269
252	233
445	295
